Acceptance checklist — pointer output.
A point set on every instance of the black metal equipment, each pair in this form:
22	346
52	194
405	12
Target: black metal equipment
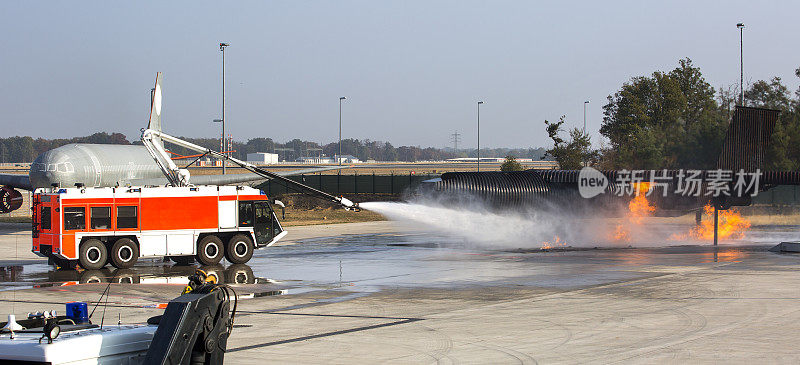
195	327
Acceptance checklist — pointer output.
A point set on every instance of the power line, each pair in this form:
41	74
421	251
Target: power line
455	138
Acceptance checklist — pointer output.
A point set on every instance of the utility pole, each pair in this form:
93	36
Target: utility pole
584	116
341	98
230	144
716	224
741	62
585	103
222	49
479	135
455	138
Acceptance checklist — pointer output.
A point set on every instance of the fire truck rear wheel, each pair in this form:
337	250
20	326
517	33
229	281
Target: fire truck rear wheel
209	250
239	249
93	254
124	253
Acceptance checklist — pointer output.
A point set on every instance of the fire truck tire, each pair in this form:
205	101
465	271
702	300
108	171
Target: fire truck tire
94	277
239	249
239	274
124	253
209	250
93	254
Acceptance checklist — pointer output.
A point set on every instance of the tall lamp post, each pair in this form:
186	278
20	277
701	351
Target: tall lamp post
584	115
479	135
741	62
221	138
222	49
585	103
341	98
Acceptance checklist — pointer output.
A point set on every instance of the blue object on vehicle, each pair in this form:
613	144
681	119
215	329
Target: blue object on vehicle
78	312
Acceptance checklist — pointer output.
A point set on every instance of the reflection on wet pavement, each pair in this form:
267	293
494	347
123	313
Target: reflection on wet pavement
40	275
373	262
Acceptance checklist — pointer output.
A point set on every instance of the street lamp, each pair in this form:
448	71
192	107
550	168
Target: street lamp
222	49
341	98
479	135
584	115
222	137
584	127
741	62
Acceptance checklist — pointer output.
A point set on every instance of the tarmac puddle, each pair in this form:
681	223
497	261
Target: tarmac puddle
370	263
43	276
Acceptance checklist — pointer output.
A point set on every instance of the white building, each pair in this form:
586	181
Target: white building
346	159
315	159
262	158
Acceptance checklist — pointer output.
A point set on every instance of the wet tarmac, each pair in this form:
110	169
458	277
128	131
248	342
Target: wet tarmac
370	263
414	297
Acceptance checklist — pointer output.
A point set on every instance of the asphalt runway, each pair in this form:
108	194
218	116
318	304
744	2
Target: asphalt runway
415	297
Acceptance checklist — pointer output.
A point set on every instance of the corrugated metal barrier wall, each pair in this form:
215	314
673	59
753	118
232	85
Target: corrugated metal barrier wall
350	184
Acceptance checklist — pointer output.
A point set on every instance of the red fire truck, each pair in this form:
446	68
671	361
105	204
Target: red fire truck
95	226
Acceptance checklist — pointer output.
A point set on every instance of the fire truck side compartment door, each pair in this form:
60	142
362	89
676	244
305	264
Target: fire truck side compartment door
153	245
227	214
180	244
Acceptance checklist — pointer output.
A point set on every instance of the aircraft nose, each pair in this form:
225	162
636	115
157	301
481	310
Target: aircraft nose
51	167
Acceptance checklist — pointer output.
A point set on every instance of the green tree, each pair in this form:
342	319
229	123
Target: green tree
570	154
666	120
511	164
783	152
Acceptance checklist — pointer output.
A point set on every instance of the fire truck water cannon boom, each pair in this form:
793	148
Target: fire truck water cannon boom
181	177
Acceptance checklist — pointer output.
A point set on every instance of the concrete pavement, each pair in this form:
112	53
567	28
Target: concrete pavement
393	297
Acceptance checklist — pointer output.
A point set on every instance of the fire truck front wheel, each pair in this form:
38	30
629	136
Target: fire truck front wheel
239	249
209	250
124	253
93	254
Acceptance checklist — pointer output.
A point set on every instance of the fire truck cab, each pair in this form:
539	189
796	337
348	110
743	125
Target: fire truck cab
96	226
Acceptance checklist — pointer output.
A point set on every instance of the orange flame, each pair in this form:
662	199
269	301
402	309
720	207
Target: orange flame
621	234
638	208
557	242
731	225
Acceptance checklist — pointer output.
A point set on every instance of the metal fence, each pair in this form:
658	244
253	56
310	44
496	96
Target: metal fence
779	195
350	184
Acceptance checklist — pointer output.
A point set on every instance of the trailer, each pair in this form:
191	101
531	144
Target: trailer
95	226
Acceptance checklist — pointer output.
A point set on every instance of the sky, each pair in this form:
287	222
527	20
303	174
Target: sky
412	71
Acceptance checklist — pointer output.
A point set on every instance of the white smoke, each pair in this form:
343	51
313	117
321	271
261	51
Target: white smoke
475	224
471	222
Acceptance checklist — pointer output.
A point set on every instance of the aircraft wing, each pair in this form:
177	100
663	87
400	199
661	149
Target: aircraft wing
233	178
20	181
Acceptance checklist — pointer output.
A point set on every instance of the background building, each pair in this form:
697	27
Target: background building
262	158
346	159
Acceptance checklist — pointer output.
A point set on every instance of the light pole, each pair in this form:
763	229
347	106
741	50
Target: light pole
741	62
222	49
584	115
479	135
341	98
221	138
